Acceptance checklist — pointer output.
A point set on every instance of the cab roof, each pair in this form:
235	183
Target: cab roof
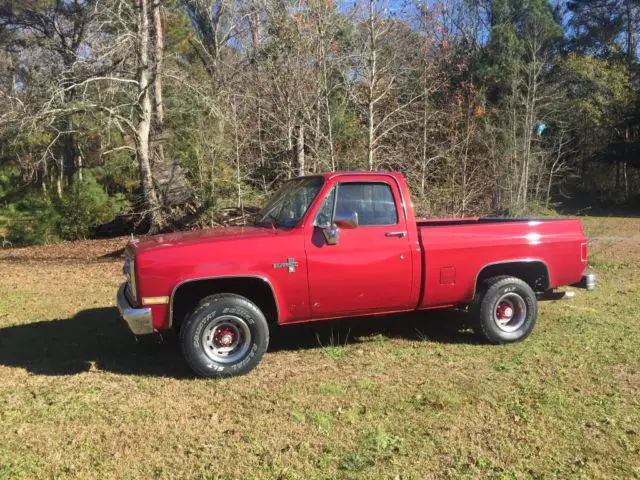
330	175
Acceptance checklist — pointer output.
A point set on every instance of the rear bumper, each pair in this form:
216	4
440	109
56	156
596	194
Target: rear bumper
139	320
589	282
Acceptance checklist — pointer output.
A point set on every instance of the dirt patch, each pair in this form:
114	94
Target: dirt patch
81	251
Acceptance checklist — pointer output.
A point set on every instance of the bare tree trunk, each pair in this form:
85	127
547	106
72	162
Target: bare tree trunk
169	178
624	165
69	150
425	126
332	153
371	87
511	174
370	138
60	177
43	179
465	161
327	107
143	130
290	152
553	169
300	150
79	167
236	141
158	51
261	147
631	44
315	159
158	57
67	137
530	105
255	30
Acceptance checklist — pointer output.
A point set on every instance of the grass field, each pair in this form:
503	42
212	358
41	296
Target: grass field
402	397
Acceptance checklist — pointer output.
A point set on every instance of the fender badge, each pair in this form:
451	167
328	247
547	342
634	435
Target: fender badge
291	264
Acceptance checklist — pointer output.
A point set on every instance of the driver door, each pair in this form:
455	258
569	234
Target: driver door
368	270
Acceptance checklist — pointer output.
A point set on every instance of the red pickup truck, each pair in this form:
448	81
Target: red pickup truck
339	245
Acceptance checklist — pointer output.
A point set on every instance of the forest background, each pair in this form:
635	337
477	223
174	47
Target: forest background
152	115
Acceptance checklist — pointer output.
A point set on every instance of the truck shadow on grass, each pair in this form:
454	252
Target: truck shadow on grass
92	339
96	339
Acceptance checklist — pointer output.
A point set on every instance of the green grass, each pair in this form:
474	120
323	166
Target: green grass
409	397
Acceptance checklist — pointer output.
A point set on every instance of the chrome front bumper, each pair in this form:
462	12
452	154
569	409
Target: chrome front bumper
139	320
588	282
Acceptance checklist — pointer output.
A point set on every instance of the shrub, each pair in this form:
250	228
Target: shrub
85	208
36	219
31	221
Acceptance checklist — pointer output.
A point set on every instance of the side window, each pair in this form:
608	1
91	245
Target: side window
325	214
373	202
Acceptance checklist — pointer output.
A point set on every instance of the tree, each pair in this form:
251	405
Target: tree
606	39
602	95
143	129
379	75
517	68
56	33
605	28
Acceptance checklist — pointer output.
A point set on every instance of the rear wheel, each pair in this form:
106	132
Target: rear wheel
226	335
504	310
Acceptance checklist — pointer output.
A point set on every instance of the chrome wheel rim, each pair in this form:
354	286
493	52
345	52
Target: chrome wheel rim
226	339
510	312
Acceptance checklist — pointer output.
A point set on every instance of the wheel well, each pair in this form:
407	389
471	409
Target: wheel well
187	296
535	273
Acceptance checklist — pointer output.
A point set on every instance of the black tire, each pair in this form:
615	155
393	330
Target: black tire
493	321
224	322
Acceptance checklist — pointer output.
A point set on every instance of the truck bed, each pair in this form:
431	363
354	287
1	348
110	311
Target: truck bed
456	251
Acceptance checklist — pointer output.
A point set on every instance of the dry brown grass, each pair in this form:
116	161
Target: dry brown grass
409	396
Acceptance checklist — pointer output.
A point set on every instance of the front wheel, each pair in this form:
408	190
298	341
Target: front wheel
226	335
505	310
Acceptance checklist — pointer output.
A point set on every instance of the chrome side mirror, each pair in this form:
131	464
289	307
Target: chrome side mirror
330	235
347	219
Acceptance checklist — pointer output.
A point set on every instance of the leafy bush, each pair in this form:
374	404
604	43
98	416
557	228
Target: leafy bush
86	207
36	219
32	221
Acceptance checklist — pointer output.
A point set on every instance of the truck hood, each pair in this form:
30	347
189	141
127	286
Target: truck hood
195	237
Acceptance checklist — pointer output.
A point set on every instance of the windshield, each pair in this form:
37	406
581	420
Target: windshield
289	204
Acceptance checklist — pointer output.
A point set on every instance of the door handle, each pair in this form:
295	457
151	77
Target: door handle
395	234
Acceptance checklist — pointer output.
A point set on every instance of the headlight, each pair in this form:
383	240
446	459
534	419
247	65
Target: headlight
129	270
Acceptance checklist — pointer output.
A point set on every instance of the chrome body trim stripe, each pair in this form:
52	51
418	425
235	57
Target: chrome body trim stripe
217	277
139	320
